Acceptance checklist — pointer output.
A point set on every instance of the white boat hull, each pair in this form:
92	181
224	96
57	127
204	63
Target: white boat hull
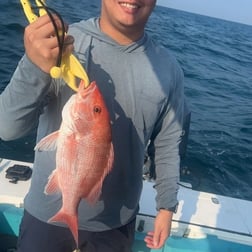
203	220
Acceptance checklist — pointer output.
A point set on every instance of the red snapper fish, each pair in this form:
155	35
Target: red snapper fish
84	153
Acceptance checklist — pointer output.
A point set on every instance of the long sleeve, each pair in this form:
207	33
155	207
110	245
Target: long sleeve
164	146
21	101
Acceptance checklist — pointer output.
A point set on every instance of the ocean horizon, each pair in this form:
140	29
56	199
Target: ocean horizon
216	57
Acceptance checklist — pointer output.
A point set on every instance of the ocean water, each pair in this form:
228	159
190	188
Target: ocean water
216	57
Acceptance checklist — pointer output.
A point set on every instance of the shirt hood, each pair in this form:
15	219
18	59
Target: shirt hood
91	27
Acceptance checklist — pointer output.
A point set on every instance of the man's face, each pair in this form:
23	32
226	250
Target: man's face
127	14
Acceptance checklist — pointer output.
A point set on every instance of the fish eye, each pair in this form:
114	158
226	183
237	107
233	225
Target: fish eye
97	109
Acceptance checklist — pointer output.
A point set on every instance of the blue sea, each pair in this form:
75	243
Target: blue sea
216	57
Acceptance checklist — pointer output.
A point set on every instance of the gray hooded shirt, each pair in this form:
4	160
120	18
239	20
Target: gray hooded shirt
142	85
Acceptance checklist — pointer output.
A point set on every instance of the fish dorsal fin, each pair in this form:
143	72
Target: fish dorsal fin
48	143
95	193
110	159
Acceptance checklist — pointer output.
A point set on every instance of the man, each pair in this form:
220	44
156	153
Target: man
142	86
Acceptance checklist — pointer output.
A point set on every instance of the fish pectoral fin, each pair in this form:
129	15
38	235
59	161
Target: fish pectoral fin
52	185
48	143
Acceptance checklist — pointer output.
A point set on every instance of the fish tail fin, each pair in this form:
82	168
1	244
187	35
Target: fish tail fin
70	220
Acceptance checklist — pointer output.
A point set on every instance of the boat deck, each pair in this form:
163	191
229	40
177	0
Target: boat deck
200	215
205	210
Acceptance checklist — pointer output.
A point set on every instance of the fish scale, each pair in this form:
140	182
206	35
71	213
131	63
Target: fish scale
84	153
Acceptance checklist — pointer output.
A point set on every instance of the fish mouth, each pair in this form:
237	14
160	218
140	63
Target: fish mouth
90	91
85	91
91	86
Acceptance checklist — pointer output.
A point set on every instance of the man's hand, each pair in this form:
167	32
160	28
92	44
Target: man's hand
162	227
41	44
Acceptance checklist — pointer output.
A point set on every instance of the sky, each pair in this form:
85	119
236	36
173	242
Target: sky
233	10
